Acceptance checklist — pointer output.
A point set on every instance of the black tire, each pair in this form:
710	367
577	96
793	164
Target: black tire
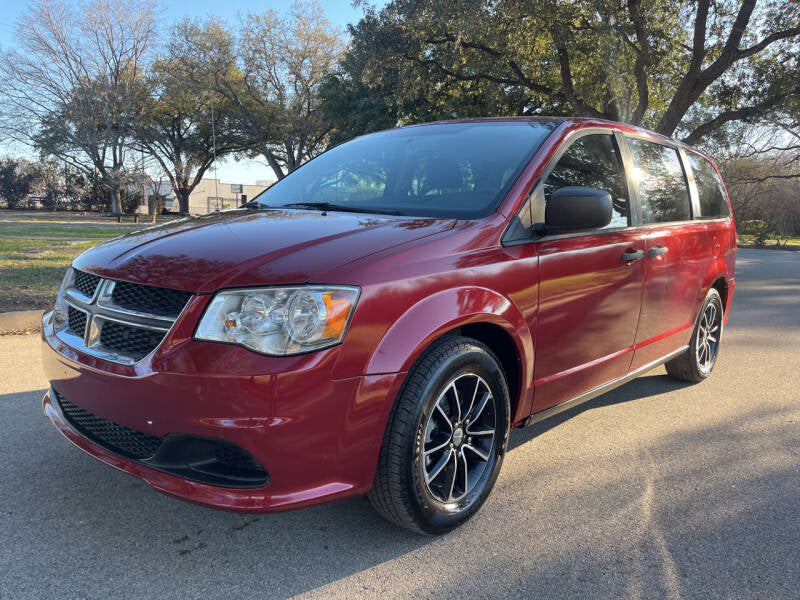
695	365
404	490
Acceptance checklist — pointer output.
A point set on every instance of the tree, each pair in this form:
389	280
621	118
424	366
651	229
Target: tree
15	183
156	199
359	97
75	184
688	70
761	169
180	129
48	178
74	87
269	74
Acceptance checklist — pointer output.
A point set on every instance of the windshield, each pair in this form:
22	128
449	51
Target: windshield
454	170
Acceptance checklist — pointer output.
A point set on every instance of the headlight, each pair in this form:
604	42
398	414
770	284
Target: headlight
280	320
60	309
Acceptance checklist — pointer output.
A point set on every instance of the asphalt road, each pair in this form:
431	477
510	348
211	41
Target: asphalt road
657	489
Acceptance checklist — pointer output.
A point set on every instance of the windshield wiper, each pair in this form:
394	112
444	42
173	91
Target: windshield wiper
253	204
341	208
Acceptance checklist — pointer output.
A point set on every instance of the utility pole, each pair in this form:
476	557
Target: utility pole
144	189
214	151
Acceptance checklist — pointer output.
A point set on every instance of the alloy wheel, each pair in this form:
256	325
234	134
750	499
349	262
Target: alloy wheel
459	438
708	336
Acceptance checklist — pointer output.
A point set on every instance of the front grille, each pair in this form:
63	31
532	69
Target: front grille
120	321
149	299
122	440
129	340
85	283
76	321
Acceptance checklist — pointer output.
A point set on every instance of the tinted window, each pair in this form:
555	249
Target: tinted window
593	161
709	188
663	193
460	170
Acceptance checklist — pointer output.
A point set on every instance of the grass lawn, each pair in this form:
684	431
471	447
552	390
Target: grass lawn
36	249
790	243
63	231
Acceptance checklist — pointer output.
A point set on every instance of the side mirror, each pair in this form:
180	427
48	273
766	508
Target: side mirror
572	208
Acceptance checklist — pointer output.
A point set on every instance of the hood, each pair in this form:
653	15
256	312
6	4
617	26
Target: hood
241	248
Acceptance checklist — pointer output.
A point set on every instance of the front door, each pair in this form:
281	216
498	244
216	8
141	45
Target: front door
590	283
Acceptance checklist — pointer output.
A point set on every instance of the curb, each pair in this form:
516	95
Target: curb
20	319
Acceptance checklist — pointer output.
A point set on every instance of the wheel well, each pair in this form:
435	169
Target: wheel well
503	347
721	285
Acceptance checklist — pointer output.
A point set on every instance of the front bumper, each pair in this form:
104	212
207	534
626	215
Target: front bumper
317	437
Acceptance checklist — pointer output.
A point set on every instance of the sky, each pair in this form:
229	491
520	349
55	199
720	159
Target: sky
339	12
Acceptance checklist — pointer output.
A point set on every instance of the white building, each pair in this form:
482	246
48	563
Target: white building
209	195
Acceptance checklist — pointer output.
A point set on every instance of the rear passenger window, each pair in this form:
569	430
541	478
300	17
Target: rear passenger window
709	187
593	161
663	193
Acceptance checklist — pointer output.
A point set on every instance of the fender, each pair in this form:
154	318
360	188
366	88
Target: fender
718	268
444	311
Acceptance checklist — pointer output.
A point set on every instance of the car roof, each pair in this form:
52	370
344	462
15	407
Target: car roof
575	122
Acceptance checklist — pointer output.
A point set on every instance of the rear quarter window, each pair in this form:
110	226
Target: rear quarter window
709	187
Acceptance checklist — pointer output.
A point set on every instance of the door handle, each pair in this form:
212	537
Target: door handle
632	255
657	251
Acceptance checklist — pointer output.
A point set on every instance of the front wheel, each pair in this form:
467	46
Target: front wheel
445	440
698	361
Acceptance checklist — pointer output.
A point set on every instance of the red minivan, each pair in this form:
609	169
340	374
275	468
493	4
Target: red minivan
377	322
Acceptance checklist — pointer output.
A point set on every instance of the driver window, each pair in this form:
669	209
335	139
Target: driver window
360	182
593	161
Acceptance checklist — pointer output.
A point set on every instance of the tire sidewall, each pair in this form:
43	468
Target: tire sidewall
434	515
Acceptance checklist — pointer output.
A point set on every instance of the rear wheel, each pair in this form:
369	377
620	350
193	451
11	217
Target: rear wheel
698	361
445	440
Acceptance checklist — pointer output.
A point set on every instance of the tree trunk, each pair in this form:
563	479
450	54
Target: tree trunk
115	204
183	200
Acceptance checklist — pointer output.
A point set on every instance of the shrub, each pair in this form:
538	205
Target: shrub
760	230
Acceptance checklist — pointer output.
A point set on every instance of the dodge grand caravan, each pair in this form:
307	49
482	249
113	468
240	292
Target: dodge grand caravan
377	322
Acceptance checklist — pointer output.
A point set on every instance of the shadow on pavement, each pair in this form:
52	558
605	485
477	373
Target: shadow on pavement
641	387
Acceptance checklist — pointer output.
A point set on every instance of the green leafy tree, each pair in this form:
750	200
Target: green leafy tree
269	74
180	128
686	70
15	182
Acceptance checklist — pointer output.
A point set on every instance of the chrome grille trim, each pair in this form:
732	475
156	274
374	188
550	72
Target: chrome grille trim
104	300
100	310
81	280
73	292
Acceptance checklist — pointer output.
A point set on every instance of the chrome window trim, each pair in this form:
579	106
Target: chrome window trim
98	313
694	192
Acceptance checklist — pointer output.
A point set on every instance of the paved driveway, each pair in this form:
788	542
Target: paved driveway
655	489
